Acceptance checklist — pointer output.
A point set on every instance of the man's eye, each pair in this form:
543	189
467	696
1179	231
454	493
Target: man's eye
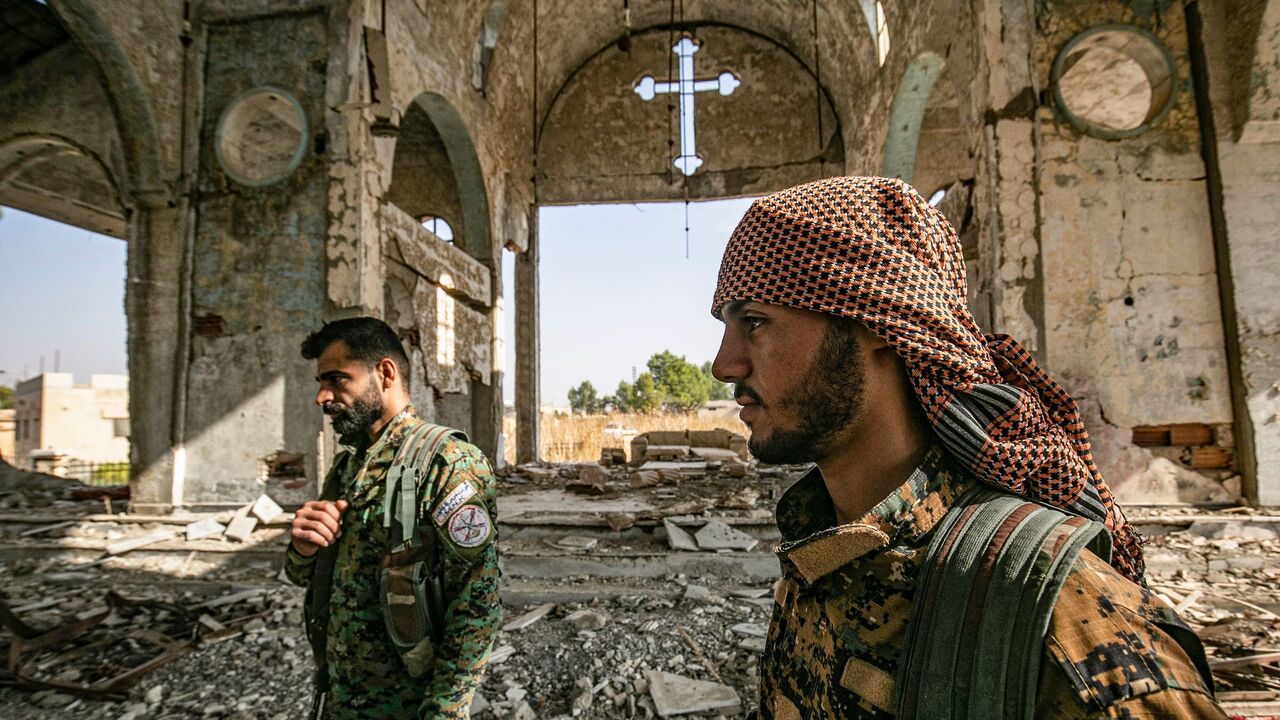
754	322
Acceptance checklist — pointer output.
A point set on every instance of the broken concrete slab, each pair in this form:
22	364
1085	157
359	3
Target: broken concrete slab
266	509
689	468
697	592
529	618
678	538
240	528
575	543
205	528
715	454
716	535
678	695
751	629
124	546
587	619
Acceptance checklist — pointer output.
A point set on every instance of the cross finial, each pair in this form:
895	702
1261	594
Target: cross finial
648	88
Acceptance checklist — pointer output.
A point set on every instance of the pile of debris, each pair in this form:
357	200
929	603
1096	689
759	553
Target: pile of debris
23	490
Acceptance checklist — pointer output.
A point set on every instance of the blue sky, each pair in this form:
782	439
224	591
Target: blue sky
616	288
63	294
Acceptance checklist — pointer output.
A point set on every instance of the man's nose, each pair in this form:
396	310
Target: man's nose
323	395
731	364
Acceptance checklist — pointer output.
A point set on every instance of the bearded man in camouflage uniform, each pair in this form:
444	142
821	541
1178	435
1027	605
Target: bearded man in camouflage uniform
850	345
363	374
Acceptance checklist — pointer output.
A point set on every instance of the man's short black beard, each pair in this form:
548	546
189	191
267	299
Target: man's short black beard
352	423
826	401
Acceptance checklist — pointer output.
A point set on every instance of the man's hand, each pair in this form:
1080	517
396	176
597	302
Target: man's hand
315	525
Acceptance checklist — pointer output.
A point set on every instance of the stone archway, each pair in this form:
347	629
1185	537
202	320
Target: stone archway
54	177
907	115
441	294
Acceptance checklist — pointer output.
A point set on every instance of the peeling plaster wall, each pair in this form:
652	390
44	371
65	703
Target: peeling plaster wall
259	272
1132	321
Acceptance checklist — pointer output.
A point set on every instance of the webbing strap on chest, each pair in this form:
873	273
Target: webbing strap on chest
405	477
986	592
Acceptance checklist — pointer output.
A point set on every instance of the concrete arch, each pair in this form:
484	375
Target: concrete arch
467	173
129	100
82	192
907	115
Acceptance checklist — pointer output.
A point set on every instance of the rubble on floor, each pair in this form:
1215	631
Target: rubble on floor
620	600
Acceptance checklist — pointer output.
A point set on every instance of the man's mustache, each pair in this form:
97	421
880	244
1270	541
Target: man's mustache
741	390
332	408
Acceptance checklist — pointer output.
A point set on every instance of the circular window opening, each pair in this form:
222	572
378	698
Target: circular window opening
261	136
1113	81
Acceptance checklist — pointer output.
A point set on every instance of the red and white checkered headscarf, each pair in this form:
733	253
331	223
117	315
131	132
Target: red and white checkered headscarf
872	249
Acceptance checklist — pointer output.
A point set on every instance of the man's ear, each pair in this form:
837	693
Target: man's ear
388	373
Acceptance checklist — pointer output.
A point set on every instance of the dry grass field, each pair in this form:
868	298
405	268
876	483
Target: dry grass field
579	438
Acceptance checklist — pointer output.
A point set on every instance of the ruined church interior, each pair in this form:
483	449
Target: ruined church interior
1112	168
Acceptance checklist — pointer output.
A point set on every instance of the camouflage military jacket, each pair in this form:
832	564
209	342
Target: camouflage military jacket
845	599
367	677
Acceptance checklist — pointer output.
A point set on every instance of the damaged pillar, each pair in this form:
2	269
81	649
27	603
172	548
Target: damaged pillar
528	346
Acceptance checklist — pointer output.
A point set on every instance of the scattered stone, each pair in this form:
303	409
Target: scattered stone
753	644
587	619
620	521
758	630
645	478
678	538
575	543
716	535
155	695
206	528
742	499
697	592
524	712
529	618
479	705
240	528
123	546
266	509
501	654
678	695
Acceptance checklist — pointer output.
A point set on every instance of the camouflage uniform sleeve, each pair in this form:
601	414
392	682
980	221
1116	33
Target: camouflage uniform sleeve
1114	650
463	513
298	568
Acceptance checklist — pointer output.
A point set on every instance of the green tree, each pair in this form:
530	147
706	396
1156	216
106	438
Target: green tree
583	399
648	396
683	385
6	397
716	390
624	398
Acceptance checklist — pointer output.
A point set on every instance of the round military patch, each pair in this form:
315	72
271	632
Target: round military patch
470	526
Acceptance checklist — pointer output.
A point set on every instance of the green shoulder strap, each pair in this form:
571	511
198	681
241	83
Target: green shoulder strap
407	477
987	590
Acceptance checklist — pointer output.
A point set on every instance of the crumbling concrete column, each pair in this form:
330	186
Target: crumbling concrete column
1006	201
528	346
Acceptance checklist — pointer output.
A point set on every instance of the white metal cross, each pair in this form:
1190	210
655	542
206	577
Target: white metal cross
648	88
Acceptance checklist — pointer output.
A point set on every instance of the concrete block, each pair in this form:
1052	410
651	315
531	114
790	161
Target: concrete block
678	695
716	535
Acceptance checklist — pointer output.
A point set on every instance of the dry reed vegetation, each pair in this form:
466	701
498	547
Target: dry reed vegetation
579	438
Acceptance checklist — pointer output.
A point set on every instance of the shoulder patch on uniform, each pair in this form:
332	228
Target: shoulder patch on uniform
470	527
452	501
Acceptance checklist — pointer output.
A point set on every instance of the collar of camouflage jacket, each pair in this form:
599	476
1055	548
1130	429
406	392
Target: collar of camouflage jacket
378	455
815	546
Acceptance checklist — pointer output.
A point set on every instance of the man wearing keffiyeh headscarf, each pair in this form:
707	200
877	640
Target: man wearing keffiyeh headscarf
850	345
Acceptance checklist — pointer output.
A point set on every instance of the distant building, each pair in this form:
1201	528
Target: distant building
57	420
6	435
